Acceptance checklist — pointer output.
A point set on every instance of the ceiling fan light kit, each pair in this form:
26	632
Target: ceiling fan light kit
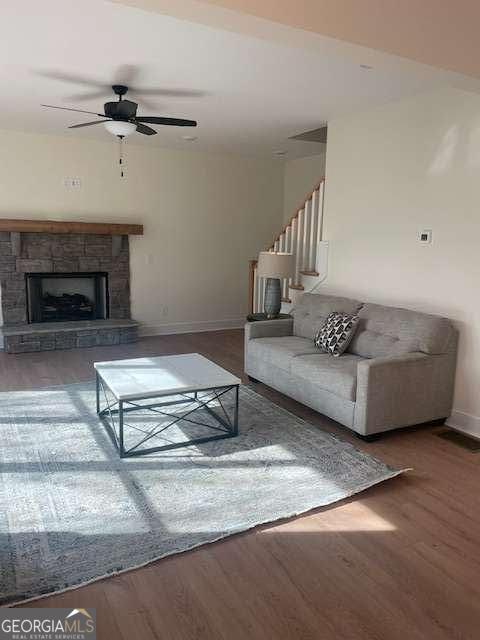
120	128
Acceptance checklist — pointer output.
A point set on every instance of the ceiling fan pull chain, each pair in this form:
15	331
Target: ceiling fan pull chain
121	160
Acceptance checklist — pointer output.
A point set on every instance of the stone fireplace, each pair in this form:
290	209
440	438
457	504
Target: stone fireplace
64	289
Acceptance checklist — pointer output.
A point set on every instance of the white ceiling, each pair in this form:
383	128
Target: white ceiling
257	92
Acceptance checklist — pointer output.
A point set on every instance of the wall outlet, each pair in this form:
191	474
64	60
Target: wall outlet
425	236
72	183
164	311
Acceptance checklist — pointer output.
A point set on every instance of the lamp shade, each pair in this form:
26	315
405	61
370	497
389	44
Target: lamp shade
274	265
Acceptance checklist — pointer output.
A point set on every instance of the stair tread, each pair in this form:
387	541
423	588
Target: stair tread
309	273
298	287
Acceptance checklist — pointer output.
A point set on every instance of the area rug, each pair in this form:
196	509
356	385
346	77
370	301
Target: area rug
72	512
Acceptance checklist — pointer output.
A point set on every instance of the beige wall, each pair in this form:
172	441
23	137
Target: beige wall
391	172
299	178
205	215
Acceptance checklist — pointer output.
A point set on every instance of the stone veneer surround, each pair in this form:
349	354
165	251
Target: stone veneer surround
29	252
52	252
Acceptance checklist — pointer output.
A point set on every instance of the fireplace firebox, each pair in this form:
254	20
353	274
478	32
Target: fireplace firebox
61	297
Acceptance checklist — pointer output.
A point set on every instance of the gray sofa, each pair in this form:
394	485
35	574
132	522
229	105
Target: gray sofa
399	369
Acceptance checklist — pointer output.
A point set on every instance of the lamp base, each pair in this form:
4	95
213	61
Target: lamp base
273	298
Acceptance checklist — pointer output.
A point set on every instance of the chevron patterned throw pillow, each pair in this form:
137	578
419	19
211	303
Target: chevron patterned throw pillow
337	332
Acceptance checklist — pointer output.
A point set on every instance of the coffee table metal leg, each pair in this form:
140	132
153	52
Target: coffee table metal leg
235	416
120	428
97	389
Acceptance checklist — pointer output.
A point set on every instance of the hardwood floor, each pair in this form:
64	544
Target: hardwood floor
401	560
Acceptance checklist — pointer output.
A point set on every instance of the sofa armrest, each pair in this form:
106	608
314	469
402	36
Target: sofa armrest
269	329
265	329
403	390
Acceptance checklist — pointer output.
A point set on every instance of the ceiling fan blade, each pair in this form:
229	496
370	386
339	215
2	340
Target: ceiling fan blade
147	131
98	94
176	122
151	105
169	93
92	113
72	78
87	124
126	74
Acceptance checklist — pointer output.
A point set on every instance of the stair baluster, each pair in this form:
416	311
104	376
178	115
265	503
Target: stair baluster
293	247
307	221
320	214
313	232
283	249
299	247
286	295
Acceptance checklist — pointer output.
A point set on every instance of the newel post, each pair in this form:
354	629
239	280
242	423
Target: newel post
252	264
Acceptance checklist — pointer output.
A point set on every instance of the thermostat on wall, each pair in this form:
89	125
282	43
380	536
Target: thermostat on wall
425	236
72	183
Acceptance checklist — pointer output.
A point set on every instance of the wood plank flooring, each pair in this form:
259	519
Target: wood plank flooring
399	561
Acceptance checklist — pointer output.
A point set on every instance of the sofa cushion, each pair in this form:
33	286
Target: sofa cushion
384	331
280	351
336	375
312	309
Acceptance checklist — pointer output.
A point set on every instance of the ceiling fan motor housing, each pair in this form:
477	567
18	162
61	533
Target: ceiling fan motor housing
122	110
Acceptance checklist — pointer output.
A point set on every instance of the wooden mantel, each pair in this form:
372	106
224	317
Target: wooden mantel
61	226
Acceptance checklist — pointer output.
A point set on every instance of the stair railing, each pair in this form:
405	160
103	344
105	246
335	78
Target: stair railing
301	236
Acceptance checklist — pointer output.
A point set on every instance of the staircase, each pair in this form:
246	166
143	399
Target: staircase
301	236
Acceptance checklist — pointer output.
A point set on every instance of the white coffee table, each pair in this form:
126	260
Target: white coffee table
125	383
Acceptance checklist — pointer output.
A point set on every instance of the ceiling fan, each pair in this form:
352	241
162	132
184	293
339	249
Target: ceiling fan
120	118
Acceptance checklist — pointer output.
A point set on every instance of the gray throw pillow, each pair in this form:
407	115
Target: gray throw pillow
337	332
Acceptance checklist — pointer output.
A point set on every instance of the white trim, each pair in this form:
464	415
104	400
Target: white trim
465	422
191	327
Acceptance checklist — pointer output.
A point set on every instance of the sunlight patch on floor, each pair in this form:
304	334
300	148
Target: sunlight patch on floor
355	517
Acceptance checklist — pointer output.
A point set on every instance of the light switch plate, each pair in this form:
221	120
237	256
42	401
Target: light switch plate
72	183
425	236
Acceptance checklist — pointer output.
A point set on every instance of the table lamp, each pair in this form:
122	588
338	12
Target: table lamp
274	266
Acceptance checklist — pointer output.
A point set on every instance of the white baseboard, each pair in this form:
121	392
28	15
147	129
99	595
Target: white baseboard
465	422
191	327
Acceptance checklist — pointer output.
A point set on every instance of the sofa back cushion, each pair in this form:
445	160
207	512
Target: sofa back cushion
385	331
312	310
